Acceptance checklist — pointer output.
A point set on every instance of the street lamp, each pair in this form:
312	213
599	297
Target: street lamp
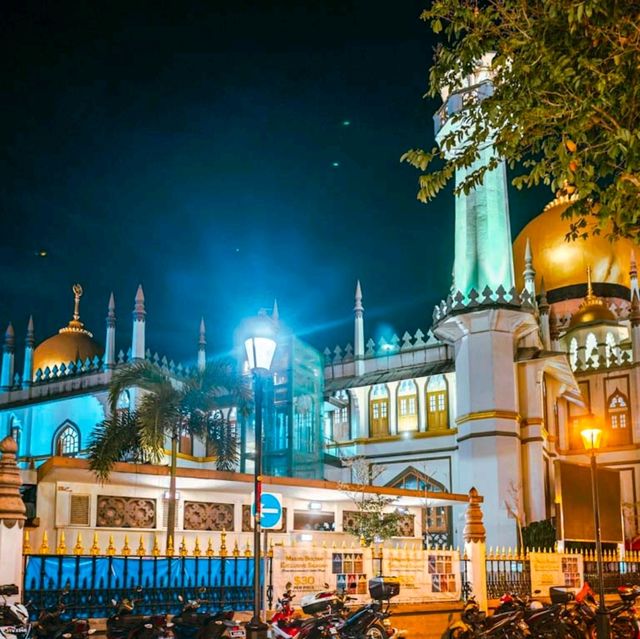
260	346
591	438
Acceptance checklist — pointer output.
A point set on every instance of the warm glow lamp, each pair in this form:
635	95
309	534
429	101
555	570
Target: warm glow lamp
591	437
260	352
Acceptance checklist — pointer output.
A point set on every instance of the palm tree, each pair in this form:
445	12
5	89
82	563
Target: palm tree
169	407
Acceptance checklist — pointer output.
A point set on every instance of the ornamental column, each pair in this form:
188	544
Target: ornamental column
12	515
475	549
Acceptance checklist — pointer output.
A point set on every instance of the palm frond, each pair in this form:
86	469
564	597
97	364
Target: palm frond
144	374
222	438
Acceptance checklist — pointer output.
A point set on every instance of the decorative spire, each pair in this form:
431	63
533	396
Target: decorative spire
529	273
75	325
202	340
138	310
589	286
358	298
9	339
110	342
31	336
543	304
634	315
275	313
633	273
111	310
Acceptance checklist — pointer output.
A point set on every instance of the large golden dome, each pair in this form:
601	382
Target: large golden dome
70	344
563	263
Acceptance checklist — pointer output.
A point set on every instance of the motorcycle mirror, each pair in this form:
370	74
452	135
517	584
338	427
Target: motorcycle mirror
148	626
326	586
139	589
114	603
288	585
180	598
67	635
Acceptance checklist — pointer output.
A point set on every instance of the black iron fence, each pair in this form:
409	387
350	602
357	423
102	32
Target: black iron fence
614	571
154	582
508	573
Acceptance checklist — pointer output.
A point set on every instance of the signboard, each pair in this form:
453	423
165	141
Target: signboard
554	569
270	510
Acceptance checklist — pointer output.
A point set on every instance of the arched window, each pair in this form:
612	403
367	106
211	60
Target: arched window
407	406
66	442
124	404
611	350
379	411
619	420
573	353
340	427
437	403
591	350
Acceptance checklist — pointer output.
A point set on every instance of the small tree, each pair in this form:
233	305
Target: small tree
372	522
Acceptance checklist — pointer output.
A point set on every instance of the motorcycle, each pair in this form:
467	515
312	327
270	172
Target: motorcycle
14	617
124	625
50	624
191	624
474	623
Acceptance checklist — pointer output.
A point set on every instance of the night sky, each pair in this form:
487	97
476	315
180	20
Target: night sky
222	154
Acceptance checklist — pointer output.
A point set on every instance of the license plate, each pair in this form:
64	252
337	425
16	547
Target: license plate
235	634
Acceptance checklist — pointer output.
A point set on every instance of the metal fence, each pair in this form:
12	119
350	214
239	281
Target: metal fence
155	582
615	572
508	573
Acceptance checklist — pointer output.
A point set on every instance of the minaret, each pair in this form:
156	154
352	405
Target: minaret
8	357
138	337
483	250
110	341
29	343
275	313
486	336
543	307
554	332
634	317
529	272
202	343
633	275
358	337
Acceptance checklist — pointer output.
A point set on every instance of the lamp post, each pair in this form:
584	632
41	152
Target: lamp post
592	438
260	348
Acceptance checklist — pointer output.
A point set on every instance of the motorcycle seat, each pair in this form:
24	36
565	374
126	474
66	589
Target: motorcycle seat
541	616
9	589
500	621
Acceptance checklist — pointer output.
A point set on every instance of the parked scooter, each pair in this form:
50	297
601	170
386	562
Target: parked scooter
51	625
14	617
122	624
475	623
191	624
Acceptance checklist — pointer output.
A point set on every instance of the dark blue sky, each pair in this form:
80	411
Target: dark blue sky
191	145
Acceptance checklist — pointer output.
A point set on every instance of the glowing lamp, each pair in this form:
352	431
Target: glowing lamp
260	351
591	437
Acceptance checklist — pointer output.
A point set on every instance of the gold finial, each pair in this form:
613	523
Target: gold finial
155	551
26	544
78	549
62	546
44	546
589	286
170	546
142	551
196	549
126	551
247	550
209	550
183	547
223	544
95	549
75	325
111	548
236	550
77	294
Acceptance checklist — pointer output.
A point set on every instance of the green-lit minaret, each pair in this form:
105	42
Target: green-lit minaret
483	254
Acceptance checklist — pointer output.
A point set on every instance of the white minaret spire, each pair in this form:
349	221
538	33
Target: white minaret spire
138	337
8	355
529	272
545	326
275	313
29	343
202	343
633	274
110	341
634	316
358	337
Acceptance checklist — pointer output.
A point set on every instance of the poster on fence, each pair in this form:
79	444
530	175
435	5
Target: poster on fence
425	575
555	569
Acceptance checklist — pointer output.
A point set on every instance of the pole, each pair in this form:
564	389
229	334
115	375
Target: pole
255	628
602	615
171	515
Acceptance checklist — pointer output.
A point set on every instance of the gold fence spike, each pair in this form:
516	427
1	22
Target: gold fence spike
236	550
210	550
142	551
62	546
26	544
155	551
247	550
111	549
196	549
223	544
324	543
44	546
95	549
183	548
170	546
126	551
78	549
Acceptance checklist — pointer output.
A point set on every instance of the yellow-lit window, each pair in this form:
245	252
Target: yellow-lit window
379	411
407	406
619	431
437	404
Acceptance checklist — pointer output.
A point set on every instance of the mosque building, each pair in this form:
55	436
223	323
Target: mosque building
536	338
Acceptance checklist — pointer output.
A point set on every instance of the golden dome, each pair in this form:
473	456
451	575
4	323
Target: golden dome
563	263
593	309
72	343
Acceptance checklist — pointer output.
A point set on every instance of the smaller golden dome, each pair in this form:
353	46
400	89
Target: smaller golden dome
72	343
593	308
